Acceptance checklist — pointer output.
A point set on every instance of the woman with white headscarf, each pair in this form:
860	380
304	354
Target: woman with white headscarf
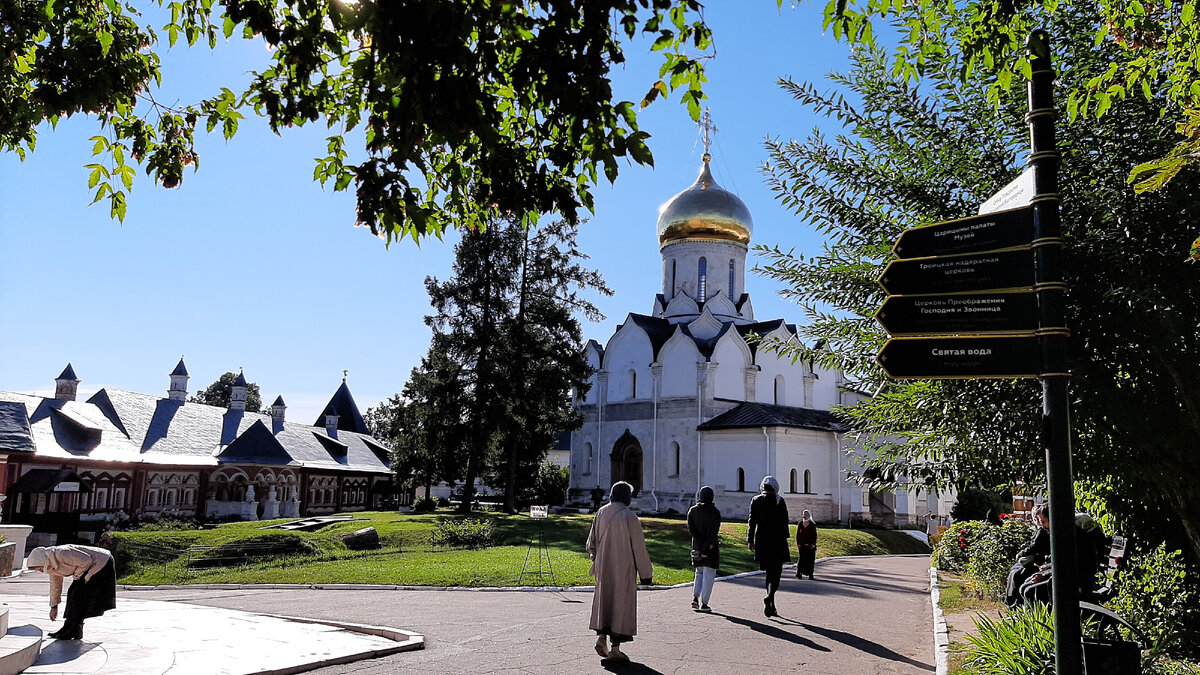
93	590
806	545
768	537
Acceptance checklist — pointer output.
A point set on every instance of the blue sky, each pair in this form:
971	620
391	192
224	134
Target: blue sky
250	263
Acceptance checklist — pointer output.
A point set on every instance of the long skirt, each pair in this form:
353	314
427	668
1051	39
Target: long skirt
806	560
86	599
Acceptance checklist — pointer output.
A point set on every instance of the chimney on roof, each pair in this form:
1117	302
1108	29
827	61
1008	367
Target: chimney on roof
237	401
179	379
278	409
66	385
331	420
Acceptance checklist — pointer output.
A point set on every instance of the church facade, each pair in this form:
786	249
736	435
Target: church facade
68	465
688	395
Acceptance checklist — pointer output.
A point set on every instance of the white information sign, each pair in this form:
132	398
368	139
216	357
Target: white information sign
1016	194
538	511
67	486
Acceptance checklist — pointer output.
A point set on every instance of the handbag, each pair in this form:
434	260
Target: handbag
696	556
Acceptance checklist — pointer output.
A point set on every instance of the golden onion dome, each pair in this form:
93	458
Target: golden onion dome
705	211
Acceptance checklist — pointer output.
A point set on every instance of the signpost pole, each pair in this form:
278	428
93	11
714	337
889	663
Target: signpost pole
1051	291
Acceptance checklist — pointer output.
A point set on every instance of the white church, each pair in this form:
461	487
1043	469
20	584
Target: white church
686	396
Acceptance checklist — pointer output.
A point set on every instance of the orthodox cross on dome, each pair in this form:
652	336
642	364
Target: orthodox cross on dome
706	124
345	374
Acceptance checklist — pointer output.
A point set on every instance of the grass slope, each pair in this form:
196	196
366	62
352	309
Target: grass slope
408	558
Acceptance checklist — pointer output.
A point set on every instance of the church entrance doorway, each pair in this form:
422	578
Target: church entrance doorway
627	461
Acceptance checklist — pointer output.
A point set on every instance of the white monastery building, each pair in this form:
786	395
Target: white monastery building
687	396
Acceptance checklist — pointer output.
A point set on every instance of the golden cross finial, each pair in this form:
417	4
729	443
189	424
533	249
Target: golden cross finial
707	125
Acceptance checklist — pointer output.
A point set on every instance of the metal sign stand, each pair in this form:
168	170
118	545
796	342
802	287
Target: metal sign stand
538	513
1051	293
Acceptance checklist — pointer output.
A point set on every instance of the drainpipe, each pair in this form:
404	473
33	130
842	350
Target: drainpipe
768	440
655	372
837	438
601	398
699	437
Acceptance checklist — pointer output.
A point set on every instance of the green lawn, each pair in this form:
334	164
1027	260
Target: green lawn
408	558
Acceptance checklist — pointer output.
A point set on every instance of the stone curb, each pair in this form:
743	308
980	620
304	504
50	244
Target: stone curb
398	587
941	633
406	641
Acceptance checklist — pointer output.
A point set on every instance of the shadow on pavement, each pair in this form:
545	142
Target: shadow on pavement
632	667
63	651
773	631
861	644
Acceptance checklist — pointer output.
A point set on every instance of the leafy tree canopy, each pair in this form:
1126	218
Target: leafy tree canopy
1150	46
220	393
468	109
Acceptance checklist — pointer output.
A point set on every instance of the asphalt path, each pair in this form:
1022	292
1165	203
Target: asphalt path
860	616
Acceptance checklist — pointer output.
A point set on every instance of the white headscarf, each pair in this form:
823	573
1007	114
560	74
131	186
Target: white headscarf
38	557
769	484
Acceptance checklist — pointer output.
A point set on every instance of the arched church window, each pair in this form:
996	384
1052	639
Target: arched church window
779	391
731	295
702	281
632	383
675	449
807	482
741	480
588	469
792	482
673	264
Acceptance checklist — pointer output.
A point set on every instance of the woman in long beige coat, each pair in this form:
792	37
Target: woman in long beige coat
619	558
93	591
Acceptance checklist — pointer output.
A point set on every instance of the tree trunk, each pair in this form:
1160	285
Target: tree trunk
518	380
1183	491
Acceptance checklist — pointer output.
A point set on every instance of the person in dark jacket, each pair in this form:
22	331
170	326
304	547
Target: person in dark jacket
1039	587
1031	558
768	537
806	545
704	524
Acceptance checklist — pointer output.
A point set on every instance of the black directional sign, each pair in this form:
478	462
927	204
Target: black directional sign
993	312
959	273
961	357
1002	229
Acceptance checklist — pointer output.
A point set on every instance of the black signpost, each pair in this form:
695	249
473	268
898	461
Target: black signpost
1051	290
987	356
960	273
988	232
992	312
986	297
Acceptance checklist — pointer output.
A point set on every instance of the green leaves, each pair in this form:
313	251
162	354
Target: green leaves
471	109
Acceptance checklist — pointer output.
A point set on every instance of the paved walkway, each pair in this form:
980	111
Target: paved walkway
860	616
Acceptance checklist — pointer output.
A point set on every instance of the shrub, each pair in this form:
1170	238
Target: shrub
955	545
1021	643
165	525
1157	593
466	533
973	504
550	485
425	504
991	556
